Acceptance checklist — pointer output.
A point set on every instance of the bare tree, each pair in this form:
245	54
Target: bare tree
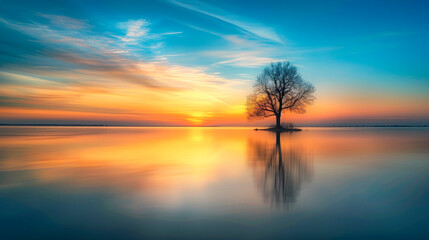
279	87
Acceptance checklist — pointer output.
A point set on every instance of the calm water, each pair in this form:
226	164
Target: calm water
212	183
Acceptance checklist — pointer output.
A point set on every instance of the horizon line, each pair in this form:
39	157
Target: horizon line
208	126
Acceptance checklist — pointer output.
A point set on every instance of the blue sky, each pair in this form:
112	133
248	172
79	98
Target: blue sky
352	51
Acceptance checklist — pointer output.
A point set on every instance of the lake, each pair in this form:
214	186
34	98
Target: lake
213	183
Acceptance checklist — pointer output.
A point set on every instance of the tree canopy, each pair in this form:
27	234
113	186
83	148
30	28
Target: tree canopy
279	87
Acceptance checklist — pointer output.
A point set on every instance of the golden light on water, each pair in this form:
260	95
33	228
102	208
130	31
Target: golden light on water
172	158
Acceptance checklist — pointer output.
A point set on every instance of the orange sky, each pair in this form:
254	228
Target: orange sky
65	70
192	98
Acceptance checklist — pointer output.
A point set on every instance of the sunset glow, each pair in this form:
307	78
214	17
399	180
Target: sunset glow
214	119
196	66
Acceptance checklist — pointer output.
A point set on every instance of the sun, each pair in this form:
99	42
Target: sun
198	118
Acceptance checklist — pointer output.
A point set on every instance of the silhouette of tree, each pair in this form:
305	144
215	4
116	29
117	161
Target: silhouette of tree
279	87
279	172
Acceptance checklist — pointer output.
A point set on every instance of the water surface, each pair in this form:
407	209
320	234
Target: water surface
212	183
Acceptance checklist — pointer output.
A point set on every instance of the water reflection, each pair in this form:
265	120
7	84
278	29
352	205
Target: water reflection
280	170
199	183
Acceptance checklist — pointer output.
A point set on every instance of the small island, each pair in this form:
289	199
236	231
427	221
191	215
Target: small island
282	129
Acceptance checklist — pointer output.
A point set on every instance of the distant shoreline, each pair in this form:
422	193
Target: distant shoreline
111	125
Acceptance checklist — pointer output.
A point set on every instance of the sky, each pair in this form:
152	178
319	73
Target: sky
192	63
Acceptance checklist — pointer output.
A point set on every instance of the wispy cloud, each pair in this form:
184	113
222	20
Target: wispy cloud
242	53
134	29
237	40
247	61
137	30
247	26
88	72
240	58
65	22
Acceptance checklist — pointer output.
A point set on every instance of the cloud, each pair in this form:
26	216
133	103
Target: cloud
246	26
137	30
237	40
171	33
134	29
85	72
248	61
65	22
241	58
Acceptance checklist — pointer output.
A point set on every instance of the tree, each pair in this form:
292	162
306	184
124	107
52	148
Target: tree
278	88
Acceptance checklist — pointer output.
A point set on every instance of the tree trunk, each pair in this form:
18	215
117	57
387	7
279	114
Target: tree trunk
278	116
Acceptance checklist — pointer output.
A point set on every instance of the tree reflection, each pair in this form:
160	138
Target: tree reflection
279	170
